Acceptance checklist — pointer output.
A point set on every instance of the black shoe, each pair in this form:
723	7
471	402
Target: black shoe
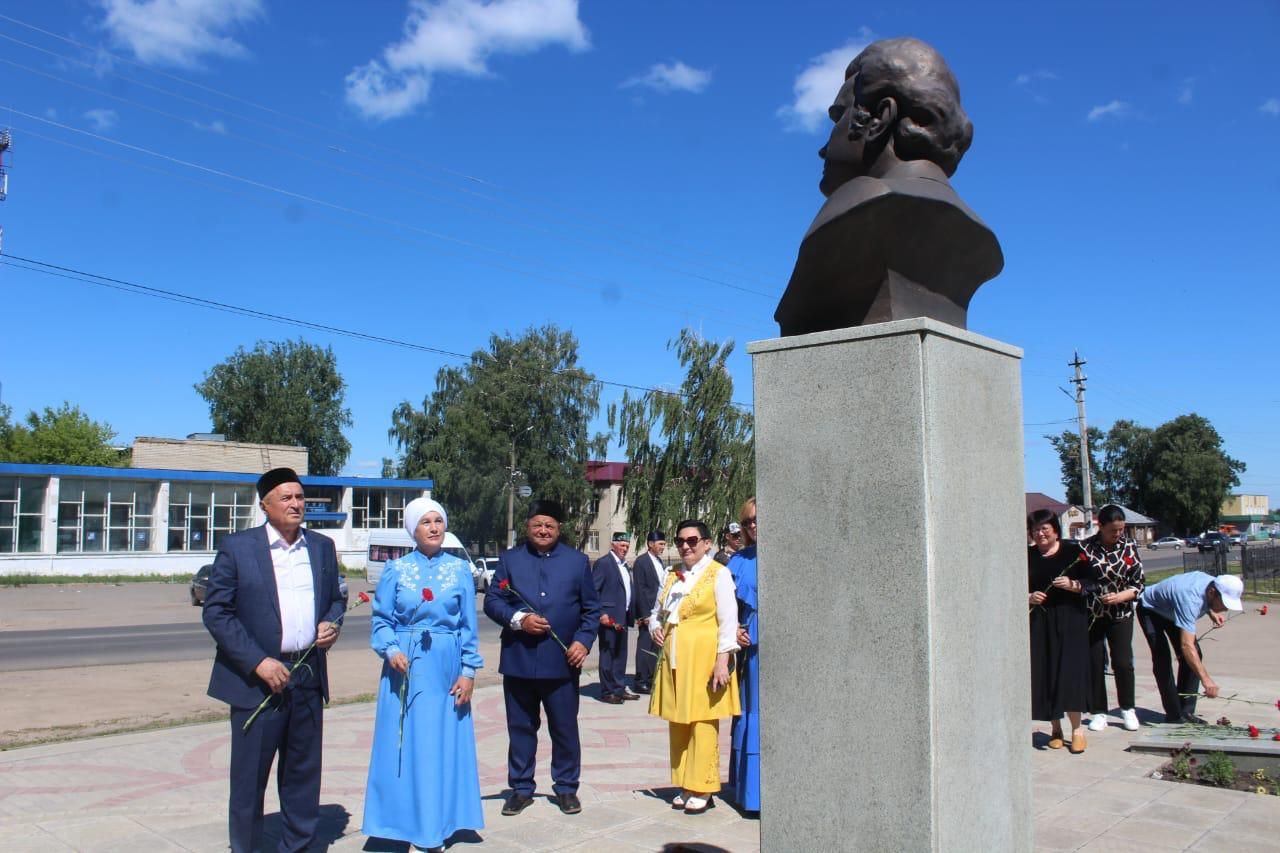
1189	720
569	803
610	699
627	694
515	804
643	688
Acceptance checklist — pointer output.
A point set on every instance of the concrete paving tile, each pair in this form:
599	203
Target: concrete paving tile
1190	818
30	838
1110	844
100	833
1155	833
1226	841
1061	836
1199	796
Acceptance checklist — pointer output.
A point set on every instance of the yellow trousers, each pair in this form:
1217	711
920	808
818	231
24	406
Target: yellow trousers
695	756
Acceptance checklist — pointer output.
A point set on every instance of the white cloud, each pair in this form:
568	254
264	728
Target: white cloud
1115	109
102	120
178	32
672	77
1029	77
816	86
1271	106
53	114
1187	91
215	126
458	37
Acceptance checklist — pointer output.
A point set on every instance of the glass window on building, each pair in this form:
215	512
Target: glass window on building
201	514
593	540
21	512
379	508
101	516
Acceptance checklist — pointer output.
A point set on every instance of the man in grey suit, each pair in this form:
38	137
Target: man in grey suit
646	581
272	594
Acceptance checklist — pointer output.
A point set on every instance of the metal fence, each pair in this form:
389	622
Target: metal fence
1258	563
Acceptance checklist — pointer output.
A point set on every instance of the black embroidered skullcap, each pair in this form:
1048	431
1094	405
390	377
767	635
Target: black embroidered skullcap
276	477
656	536
548	508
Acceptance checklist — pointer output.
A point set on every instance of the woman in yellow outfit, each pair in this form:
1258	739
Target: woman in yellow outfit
695	623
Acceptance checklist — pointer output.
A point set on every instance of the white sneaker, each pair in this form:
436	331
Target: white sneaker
1098	723
1130	718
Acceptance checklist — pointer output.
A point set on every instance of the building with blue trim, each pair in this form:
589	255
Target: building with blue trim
84	520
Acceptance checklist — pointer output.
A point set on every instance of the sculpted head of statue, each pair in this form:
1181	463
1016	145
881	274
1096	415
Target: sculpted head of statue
899	102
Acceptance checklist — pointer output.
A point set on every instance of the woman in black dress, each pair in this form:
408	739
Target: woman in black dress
1058	575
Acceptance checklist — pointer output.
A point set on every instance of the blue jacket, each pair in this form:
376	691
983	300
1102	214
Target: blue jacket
612	592
559	586
242	612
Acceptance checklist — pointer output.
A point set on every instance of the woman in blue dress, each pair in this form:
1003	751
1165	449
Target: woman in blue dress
744	760
423	780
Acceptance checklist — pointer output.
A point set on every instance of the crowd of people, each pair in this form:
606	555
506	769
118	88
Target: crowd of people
274	606
1084	599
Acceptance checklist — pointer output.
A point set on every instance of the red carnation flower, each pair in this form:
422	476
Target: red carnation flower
504	584
364	597
680	575
1128	561
427	594
1253	730
1278	704
1263	610
1276	736
1223	721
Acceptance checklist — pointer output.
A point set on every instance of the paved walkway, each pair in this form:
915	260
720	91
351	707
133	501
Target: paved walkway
166	789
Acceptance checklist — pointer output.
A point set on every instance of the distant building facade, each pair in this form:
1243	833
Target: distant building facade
1247	514
86	520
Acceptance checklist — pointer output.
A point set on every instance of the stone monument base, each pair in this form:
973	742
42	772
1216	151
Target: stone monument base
895	689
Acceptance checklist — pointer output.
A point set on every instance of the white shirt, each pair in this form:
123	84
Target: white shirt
726	607
292	565
626	578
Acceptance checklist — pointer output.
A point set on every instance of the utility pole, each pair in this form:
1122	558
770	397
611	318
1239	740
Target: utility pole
511	498
1079	381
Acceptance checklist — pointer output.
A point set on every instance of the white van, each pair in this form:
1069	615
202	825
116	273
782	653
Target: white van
387	545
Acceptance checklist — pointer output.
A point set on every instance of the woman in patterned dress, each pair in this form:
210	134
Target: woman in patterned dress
423	780
1117	566
695	623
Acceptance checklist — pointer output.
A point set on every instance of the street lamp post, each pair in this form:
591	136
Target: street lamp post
512	474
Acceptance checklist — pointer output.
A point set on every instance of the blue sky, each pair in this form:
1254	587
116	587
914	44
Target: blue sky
438	171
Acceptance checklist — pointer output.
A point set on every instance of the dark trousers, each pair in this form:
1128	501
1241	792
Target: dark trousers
613	660
646	657
1161	633
525	697
293	730
1117	635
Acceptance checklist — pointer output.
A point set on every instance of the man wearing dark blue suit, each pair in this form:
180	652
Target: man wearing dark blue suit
273	592
543	596
647	574
613	584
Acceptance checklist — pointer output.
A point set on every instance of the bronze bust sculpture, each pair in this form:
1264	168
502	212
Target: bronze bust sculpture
893	239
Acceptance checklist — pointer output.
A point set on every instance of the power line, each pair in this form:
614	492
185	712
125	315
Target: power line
399	156
59	271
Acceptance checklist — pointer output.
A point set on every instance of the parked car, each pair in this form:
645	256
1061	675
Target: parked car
394	544
1166	542
1214	541
1236	538
200	584
487	566
1191	541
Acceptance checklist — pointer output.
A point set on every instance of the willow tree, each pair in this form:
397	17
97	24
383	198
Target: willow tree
691	452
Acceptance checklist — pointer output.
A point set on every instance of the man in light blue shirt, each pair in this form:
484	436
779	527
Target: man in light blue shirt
1167	614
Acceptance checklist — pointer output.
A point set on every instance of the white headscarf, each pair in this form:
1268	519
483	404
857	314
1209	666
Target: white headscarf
416	509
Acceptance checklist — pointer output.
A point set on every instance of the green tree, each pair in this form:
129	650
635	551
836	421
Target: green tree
1125	473
1067	446
62	436
282	393
525	396
1190	475
692	453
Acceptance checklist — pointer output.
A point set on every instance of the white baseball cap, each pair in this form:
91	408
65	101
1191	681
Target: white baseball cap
1229	588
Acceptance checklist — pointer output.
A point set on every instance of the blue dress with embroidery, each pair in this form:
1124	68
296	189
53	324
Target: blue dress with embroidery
744	760
430	789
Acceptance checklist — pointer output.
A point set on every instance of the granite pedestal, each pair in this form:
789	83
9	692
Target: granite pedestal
894	669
